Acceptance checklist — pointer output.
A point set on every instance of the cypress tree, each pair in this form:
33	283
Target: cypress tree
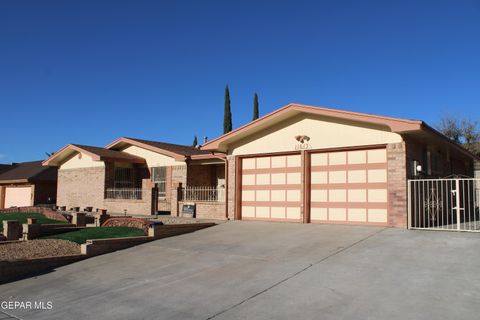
195	142
255	107
227	115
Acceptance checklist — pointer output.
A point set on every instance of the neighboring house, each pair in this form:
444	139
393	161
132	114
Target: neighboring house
27	184
298	163
137	176
309	164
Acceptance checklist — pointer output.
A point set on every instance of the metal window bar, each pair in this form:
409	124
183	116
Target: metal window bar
123	178
208	194
444	204
124	193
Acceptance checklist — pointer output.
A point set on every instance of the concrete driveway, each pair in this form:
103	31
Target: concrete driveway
250	270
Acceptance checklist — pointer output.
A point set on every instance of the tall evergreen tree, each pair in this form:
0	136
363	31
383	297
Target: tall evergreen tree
195	142
227	115
255	107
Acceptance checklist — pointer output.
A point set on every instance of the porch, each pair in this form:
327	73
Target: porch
134	189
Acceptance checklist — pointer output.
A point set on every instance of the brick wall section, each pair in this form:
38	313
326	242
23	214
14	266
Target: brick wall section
199	175
231	187
208	210
397	185
81	187
100	246
14	270
179	175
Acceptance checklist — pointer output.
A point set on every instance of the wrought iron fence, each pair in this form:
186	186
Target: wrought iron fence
444	204
124	193
209	194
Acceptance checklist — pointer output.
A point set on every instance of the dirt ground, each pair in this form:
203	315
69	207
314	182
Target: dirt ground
37	249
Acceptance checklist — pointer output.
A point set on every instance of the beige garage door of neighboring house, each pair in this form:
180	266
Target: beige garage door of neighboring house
349	187
18	196
271	188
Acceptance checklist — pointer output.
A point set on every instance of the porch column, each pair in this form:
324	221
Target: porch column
174	198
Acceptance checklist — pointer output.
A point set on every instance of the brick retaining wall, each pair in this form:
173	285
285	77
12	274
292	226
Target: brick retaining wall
14	270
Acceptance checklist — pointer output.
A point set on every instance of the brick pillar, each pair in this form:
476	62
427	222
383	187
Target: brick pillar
78	218
397	185
232	178
176	186
149	195
12	229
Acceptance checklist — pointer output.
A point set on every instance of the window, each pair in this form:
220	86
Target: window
123	178
159	176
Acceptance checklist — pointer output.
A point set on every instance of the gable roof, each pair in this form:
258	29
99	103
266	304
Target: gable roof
32	171
393	124
97	154
397	125
176	151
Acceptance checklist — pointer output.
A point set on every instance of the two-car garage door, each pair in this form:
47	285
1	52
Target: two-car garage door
344	187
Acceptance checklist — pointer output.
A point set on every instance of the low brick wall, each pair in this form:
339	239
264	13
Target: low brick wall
101	246
170	230
47	212
14	270
96	247
207	210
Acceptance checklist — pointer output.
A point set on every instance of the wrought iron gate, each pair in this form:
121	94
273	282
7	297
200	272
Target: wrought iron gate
444	204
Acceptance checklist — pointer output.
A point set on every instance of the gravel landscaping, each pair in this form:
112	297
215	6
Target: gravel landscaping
37	249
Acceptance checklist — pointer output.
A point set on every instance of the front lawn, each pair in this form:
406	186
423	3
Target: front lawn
23	216
81	236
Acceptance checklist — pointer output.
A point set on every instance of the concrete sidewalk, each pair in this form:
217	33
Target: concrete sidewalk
254	270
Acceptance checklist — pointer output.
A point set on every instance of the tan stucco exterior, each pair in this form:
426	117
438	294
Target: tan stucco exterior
323	133
153	159
81	160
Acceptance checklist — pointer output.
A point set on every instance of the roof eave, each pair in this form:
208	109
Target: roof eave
176	156
425	127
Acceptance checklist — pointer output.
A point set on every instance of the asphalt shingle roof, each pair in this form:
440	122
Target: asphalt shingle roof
31	171
175	148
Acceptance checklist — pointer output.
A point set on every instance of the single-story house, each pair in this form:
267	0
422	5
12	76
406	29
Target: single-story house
27	184
136	176
299	163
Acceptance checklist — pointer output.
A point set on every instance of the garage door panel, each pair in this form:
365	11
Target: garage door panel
349	167
348	186
365	205
273	188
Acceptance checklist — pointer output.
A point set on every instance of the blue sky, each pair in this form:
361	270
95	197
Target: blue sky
91	71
